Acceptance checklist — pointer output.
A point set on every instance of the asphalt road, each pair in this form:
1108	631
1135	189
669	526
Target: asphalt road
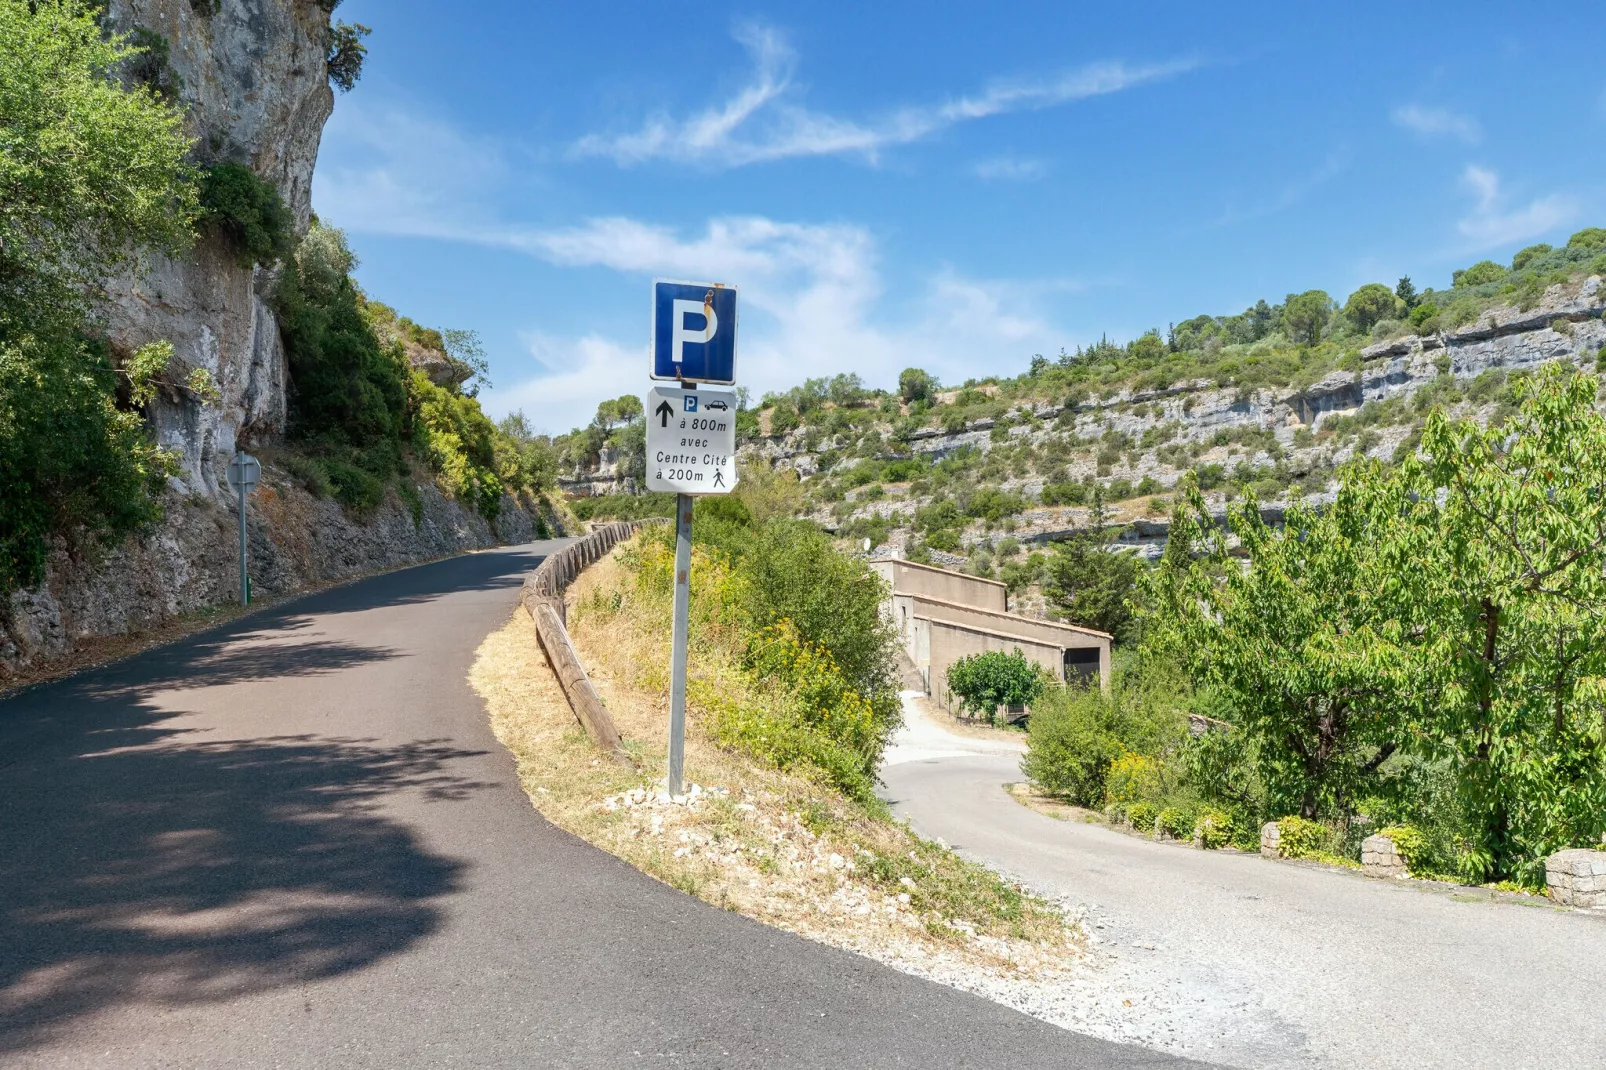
294	842
1258	963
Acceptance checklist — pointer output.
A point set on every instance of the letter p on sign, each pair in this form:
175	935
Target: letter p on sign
684	334
694	332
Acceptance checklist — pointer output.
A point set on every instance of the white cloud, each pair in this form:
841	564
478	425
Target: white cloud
1487	226
761	122
390	171
581	372
1009	169
1437	122
811	300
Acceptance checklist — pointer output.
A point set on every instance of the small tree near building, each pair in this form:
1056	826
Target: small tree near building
992	679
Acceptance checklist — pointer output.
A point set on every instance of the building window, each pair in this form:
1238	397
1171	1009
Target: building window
1082	665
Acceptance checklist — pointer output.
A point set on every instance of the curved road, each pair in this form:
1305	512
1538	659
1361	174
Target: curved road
1257	963
293	842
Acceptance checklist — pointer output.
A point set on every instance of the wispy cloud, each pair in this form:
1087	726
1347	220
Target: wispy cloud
1288	196
1009	169
1437	122
812	296
1490	225
763	122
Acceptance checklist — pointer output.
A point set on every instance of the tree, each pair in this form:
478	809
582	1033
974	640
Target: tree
916	385
1516	644
1090	582
346	54
1297	641
1147	347
92	176
1527	256
1305	316
92	173
1369	304
1405	290
1480	274
992	679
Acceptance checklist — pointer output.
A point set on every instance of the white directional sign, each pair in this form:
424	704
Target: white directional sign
691	440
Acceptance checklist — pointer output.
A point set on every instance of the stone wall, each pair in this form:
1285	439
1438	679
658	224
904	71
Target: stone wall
190	562
1577	878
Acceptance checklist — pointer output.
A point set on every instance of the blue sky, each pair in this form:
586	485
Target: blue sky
950	186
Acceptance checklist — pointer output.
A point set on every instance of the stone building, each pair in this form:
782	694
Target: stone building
942	616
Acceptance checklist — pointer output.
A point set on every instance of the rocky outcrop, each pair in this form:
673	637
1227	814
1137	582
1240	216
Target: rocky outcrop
253	81
252	77
296	541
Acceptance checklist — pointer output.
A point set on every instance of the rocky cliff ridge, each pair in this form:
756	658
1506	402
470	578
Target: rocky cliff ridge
253	78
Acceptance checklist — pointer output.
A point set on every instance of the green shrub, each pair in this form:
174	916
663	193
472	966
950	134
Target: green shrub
1070	745
1213	828
248	209
1300	838
309	473
1142	815
1479	274
356	489
1176	822
1133	778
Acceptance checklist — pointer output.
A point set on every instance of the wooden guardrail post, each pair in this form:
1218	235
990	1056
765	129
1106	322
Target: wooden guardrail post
543	600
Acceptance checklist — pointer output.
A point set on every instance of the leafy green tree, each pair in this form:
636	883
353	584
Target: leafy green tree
916	385
349	390
1588	240
1305	316
92	175
346	53
1147	347
1369	304
1527	256
991	679
1516	573
1479	274
1302	642
249	210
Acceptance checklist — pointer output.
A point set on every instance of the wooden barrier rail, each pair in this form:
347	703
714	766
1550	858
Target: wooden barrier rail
543	600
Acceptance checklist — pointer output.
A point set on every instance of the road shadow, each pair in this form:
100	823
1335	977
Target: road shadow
141	864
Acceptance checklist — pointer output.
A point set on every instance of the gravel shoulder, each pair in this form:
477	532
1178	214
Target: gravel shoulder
1255	963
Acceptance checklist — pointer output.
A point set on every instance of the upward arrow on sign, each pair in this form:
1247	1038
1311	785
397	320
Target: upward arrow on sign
664	411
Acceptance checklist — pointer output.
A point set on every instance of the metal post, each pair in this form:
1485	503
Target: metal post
245	582
677	663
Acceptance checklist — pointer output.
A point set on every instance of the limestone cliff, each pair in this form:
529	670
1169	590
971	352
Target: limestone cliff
253	81
1566	324
252	76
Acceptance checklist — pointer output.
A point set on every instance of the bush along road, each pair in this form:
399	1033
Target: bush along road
1250	962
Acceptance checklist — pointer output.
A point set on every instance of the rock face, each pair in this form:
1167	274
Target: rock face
253	78
253	81
190	563
1565	325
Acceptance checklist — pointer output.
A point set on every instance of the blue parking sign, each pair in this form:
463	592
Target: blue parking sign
694	332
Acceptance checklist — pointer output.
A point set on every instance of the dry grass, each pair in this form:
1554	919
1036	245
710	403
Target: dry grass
779	848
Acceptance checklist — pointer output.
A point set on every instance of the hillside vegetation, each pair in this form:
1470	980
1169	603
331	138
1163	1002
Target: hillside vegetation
1350	558
97	176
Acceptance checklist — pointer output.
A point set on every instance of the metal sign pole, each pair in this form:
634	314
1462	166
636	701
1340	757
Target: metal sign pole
677	664
245	583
